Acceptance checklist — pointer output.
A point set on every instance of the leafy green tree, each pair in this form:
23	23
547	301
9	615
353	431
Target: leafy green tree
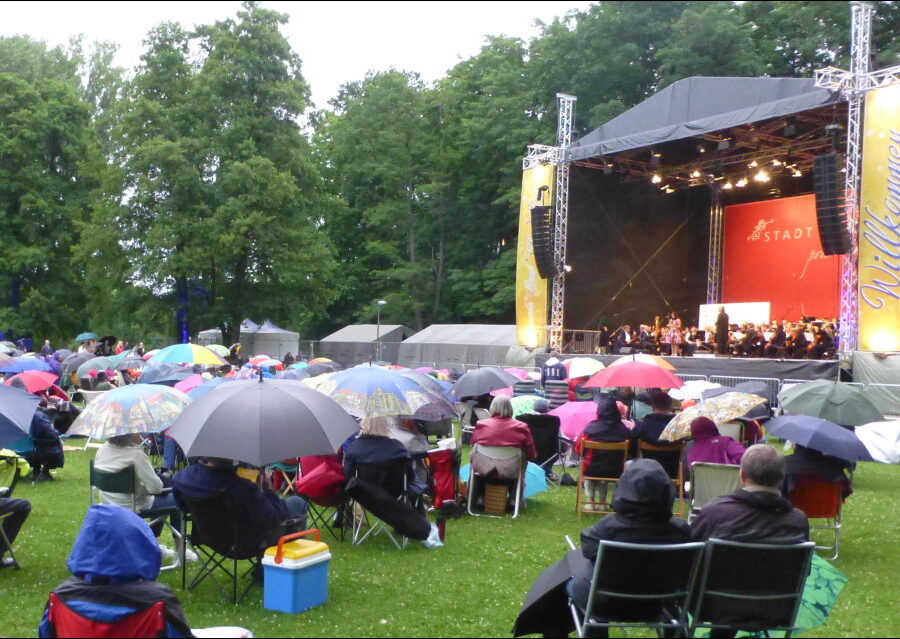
712	39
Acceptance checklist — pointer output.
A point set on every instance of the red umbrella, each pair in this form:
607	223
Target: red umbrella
35	381
634	374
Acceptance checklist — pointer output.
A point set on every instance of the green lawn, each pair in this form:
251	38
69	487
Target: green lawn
471	587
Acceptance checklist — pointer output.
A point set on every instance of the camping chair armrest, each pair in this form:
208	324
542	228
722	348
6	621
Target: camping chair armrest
4	491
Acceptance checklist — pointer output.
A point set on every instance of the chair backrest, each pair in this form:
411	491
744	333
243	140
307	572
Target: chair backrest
121	481
214	523
390	475
9	474
820	500
629	586
149	622
751	586
498	452
482	413
668	456
735	430
709	481
545	433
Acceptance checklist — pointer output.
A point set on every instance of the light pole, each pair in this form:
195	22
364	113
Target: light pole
378	306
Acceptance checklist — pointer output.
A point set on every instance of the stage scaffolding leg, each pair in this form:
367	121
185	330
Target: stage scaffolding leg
561	219
714	267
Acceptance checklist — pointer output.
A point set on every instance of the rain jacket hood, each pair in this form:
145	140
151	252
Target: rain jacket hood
114	546
644	491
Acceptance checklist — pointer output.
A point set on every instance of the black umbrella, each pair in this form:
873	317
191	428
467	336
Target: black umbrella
17	407
262	422
71	363
545	610
321	369
821	435
171	378
154	372
292	373
130	362
483	380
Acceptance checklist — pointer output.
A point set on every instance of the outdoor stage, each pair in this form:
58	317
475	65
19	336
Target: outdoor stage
780	369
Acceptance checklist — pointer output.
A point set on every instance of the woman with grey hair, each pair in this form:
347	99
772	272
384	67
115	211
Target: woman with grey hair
500	429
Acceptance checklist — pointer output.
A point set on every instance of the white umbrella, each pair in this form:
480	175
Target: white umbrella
882	440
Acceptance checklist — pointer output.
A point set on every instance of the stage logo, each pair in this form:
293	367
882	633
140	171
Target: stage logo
531	289
772	254
879	224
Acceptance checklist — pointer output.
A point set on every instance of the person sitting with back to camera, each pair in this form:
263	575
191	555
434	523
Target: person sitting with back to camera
262	516
500	429
651	427
710	447
607	428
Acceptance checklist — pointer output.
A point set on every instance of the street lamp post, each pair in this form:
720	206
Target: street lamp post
378	306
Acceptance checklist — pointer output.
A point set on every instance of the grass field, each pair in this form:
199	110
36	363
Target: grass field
472	587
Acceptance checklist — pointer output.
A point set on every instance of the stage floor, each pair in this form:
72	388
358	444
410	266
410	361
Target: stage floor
737	366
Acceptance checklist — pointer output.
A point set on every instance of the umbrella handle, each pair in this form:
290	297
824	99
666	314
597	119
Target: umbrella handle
279	550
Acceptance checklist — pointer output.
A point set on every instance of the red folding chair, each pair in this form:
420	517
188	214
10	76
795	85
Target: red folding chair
321	484
821	500
149	622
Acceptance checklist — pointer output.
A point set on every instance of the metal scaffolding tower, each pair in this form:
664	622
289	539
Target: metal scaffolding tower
561	221
854	84
716	231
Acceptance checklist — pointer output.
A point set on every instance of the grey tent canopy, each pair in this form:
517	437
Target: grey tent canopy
699	105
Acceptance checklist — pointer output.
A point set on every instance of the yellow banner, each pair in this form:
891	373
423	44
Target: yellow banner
879	224
531	290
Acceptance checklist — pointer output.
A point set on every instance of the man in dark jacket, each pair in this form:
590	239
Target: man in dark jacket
260	511
651	427
756	512
115	562
722	331
553	369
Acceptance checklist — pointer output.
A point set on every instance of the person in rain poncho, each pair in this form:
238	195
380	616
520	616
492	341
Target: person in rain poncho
114	564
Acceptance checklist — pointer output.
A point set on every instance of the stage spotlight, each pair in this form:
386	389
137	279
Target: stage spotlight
655	157
608	169
695	174
797	173
753	164
728	185
741	183
701	148
656	179
762	176
776	162
567	268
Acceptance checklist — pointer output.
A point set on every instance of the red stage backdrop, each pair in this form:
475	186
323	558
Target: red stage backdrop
772	254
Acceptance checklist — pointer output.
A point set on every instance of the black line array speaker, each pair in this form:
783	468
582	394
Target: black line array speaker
830	213
542	239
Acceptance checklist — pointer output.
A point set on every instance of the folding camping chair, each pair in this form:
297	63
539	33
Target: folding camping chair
321	484
709	481
495	499
283	474
591	506
628	589
665	454
821	500
123	482
545	433
750	587
219	539
65	622
391	479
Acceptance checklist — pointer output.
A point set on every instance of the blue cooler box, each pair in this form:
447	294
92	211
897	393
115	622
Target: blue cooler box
296	574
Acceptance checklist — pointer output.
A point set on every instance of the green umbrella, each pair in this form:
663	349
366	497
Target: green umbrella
821	590
86	336
833	401
117	359
523	403
95	363
218	349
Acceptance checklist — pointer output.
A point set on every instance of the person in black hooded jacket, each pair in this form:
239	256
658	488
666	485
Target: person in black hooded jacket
756	512
642	503
608	427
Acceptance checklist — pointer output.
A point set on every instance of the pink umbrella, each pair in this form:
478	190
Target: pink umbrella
424	370
574	416
189	383
634	374
508	391
518	372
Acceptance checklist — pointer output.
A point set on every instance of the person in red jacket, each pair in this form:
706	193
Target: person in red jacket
500	429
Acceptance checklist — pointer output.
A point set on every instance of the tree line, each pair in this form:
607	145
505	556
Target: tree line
203	187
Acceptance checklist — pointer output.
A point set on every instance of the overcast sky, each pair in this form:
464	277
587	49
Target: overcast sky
337	41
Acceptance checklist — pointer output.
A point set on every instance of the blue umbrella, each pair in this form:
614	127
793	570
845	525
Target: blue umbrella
86	336
16	410
820	435
154	372
292	373
299	365
22	364
535	479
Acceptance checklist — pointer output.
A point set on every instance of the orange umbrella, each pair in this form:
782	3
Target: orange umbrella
644	358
